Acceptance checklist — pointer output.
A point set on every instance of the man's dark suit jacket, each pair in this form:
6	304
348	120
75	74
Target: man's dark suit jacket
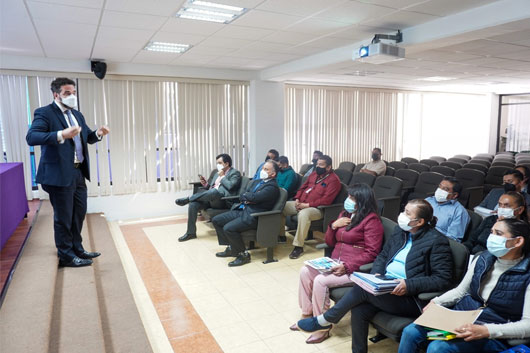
56	166
263	199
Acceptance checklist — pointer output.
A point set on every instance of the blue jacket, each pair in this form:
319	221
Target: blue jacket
506	301
56	166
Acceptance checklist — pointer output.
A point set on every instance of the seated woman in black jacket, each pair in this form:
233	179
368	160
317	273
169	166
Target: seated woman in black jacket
511	205
418	257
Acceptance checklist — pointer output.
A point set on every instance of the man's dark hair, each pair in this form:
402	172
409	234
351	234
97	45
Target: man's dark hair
275	166
378	150
320	154
526	170
517	174
283	160
275	153
327	159
226	158
457	187
59	82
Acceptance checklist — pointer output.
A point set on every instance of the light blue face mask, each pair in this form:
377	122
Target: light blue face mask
497	245
349	205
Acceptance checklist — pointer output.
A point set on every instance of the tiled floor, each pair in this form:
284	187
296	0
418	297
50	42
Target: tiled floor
206	306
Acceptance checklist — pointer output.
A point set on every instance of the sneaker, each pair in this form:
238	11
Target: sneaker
296	253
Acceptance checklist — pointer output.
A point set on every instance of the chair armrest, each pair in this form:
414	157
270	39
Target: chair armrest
481	187
427	296
265	213
195	183
230	198
322	246
323	207
366	268
407	188
389	198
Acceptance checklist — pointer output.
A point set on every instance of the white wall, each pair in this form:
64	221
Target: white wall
266	120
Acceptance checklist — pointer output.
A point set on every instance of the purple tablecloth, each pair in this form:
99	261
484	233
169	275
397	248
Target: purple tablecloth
13	201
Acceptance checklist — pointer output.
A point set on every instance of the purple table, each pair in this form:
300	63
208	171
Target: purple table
13	201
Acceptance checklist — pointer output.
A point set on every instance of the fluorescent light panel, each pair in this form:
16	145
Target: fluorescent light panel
167	47
209	11
436	78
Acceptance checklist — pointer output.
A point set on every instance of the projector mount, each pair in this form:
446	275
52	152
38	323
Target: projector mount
398	37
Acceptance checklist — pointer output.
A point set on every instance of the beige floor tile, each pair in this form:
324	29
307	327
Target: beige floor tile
248	268
254	347
198	290
234	335
283	302
237	296
219	318
290	342
270	290
270	326
257	278
255	309
214	301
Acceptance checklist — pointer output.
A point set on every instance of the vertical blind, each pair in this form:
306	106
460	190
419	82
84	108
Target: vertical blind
163	133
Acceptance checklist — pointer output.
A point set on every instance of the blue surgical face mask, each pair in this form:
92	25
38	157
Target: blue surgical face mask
349	205
497	245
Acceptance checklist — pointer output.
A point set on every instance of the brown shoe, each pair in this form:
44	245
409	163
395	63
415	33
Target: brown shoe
294	327
296	253
318	337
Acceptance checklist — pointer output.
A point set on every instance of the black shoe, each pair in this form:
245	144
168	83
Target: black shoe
227	253
282	239
183	201
296	253
76	262
187	236
241	259
88	255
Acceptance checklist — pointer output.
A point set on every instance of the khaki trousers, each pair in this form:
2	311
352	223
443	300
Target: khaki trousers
305	217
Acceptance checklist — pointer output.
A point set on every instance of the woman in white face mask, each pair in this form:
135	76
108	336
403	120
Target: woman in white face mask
498	281
511	205
416	255
355	239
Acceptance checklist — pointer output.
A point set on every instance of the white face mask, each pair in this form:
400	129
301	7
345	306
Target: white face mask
220	167
505	212
70	101
441	195
263	174
403	221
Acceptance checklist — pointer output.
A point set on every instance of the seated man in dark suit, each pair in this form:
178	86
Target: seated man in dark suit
260	195
512	181
223	183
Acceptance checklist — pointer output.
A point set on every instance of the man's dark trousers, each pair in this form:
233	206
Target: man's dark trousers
69	208
201	201
229	226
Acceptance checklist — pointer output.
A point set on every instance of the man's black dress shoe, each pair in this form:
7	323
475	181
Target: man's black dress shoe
241	259
282	239
88	255
187	237
76	262
183	201
297	252
227	253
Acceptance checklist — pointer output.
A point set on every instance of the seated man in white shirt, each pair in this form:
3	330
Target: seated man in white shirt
452	216
376	167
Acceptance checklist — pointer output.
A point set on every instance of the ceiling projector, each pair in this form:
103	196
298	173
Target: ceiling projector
380	53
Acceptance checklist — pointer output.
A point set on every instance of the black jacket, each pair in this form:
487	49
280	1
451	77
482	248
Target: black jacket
259	200
478	239
429	264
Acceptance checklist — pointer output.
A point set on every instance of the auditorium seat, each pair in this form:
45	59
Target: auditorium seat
358	167
438	159
462	156
304	168
472	182
503	163
451	164
344	175
429	162
197	184
462	161
445	171
484	155
474	222
494	178
210	213
358	178
426	186
420	168
409	160
390	171
387	191
349	166
484	162
476	166
266	234
397	165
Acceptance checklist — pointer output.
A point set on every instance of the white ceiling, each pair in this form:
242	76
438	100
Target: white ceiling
273	33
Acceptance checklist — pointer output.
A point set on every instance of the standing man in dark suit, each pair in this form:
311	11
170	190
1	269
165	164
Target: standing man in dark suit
223	183
260	195
63	134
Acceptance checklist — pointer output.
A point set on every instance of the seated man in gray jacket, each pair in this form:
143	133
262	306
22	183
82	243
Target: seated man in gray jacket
223	183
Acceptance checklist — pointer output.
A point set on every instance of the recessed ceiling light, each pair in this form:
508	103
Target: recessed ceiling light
209	11
362	73
167	47
436	78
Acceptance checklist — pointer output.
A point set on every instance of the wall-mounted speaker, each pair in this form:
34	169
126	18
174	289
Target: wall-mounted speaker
99	68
